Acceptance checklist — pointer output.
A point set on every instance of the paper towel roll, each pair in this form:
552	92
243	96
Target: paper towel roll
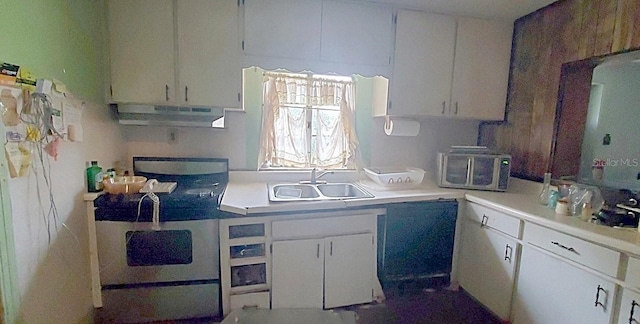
401	127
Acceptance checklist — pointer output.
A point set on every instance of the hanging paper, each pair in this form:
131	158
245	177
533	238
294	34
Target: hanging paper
8	74
72	118
19	159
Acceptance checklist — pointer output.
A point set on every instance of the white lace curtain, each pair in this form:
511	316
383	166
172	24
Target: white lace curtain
285	140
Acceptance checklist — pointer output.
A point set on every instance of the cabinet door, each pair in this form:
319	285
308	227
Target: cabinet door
423	64
349	265
141	50
552	291
629	308
282	28
486	266
356	33
483	52
208	53
296	275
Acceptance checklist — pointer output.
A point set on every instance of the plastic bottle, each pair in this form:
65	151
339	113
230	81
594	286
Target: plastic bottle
94	177
543	199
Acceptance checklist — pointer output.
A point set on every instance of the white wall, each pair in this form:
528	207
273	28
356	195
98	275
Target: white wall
53	275
420	151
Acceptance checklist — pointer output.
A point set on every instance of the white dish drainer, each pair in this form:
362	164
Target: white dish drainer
395	177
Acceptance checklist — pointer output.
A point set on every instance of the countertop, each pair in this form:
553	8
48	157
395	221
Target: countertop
246	195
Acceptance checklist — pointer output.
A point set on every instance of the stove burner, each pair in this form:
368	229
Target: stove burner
200	192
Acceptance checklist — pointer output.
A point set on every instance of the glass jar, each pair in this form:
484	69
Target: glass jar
543	199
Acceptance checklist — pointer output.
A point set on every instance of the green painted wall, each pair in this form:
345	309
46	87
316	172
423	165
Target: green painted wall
61	39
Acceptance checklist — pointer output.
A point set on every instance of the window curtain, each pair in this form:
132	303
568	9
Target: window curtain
284	141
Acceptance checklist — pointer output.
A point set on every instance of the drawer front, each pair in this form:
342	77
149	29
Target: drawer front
257	299
494	219
591	255
318	227
633	273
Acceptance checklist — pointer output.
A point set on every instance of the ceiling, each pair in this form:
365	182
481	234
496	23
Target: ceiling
508	10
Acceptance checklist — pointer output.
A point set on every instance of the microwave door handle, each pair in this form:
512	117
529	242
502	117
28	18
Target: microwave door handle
469	170
496	171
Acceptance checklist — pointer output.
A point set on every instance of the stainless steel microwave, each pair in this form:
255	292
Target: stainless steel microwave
474	171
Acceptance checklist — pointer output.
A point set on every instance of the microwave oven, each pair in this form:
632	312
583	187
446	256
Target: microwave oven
482	171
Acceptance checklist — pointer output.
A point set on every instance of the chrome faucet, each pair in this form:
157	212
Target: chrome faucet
315	176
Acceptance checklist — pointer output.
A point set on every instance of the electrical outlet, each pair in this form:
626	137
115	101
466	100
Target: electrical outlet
172	136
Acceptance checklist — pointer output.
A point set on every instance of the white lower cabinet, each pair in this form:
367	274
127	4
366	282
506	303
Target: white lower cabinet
323	273
487	263
297	269
550	290
629	308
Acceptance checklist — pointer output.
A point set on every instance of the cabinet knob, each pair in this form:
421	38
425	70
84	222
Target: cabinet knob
186	93
166	92
633	306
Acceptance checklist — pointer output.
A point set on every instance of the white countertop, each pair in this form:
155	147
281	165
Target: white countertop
250	198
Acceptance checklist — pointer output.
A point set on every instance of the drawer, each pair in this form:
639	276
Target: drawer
633	272
256	299
591	255
246	230
320	227
494	219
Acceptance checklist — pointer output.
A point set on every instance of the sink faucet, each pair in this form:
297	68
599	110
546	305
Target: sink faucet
315	176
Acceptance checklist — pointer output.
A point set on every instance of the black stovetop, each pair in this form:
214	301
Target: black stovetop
197	196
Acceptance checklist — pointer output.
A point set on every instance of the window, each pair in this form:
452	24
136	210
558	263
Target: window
307	121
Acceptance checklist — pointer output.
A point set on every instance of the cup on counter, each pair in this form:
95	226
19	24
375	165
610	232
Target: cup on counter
562	207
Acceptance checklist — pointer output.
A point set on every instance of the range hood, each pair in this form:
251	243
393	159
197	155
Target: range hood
158	115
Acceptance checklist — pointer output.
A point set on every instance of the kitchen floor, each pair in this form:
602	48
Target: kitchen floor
441	306
420	306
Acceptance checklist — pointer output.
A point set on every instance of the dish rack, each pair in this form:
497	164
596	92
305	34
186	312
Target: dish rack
395	177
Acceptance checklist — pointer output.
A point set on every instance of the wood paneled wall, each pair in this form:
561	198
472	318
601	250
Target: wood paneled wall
566	31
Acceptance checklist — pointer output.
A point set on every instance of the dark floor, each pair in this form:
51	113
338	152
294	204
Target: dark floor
439	306
414	306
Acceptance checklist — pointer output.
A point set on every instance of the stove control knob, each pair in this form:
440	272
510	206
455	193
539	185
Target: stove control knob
632	202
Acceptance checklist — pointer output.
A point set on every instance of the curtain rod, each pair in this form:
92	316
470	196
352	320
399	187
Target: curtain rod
286	75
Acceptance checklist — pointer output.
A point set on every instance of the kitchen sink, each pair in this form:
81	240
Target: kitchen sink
347	190
314	192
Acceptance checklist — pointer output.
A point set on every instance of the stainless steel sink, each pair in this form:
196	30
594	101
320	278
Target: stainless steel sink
346	190
314	192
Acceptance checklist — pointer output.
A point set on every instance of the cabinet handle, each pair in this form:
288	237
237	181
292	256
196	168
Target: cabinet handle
331	248
484	220
508	252
631	319
570	249
166	92
456	111
443	104
186	93
318	251
598	297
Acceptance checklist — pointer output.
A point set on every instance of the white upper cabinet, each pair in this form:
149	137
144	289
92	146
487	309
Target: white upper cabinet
316	31
422	64
175	52
142	50
356	33
449	66
481	72
283	28
208	53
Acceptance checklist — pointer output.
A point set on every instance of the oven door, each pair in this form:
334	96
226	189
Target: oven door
132	252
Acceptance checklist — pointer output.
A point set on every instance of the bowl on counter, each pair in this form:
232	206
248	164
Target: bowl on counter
124	185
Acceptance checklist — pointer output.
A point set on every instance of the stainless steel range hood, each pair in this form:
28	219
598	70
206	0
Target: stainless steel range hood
135	114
